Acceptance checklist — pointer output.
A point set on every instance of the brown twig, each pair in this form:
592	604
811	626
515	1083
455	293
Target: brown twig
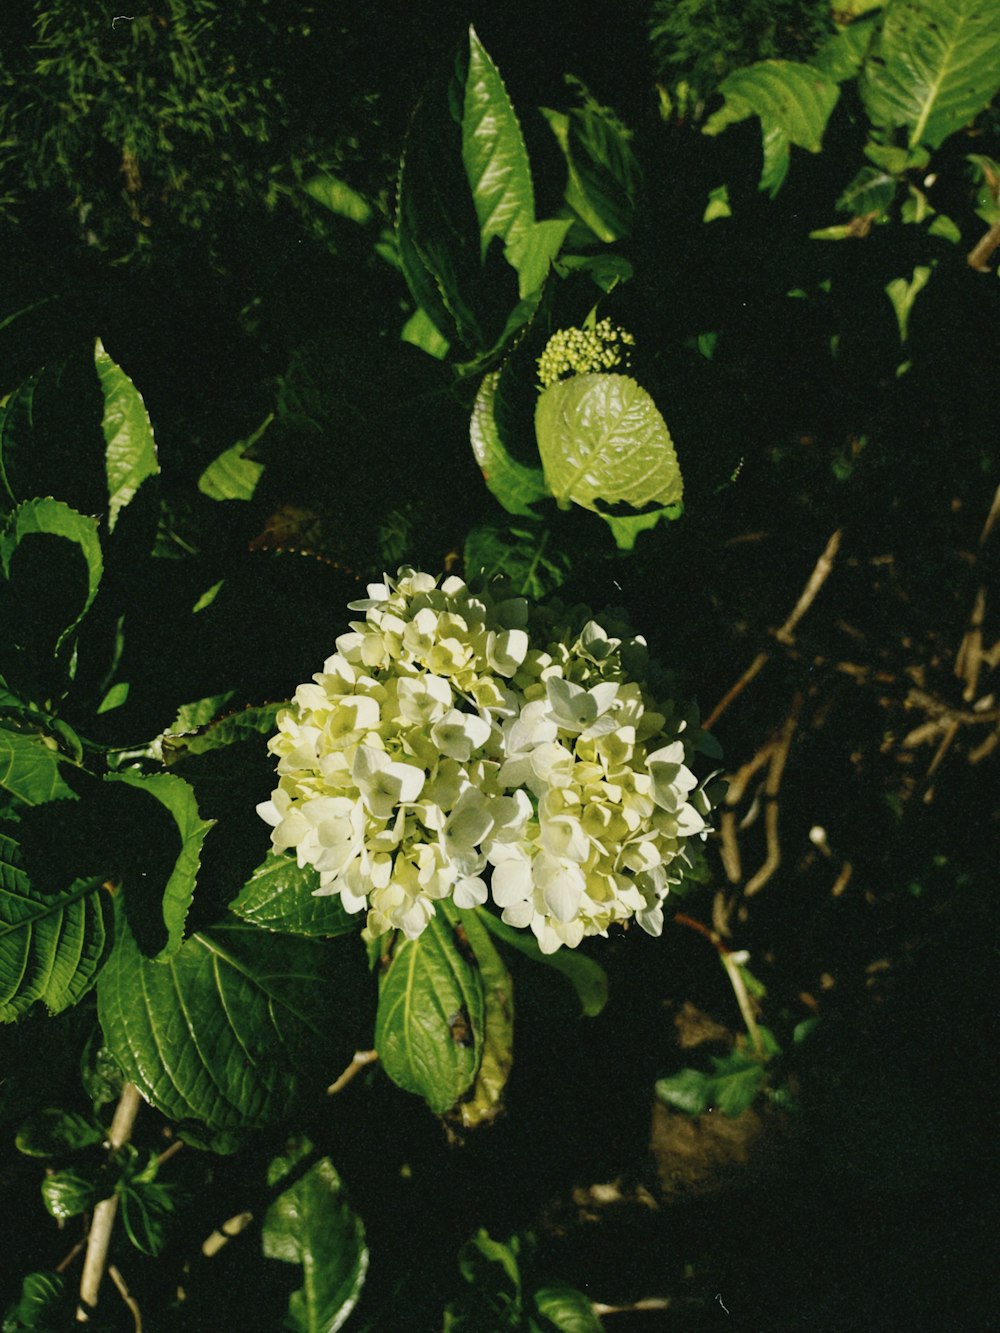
360	1060
786	634
224	1234
771	789
102	1223
982	252
126	1296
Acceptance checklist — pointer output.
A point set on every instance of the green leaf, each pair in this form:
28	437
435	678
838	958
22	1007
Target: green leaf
312	1224
279	896
176	796
128	434
903	292
587	978
871	191
793	103
52	945
41	1303
934	66
493	151
421	331
607	271
566	1308
841	56
731	1088
68	1193
231	1029
233	476
233	729
49	518
429	1026
603	442
602	172
485	1102
338	197
516	487
533	251
519	553
53	1132
29	768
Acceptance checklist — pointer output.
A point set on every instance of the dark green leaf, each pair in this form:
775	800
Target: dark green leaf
567	1309
128	435
51	520
230	1029
587	978
279	896
731	1088
496	160
53	1132
42	1302
429	1027
521	554
248	725
176	796
602	171
312	1224
689	1090
871	191
52	945
516	487
934	66
68	1193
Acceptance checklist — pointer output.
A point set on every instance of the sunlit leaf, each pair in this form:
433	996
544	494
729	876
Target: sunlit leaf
567	1309
934	66
128	434
233	476
338	197
485	1101
516	486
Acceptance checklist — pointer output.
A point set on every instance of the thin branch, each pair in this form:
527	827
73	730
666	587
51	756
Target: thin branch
224	1234
126	1296
771	789
734	691
982	252
361	1059
102	1223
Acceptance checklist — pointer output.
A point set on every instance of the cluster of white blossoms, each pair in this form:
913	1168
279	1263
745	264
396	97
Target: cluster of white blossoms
465	745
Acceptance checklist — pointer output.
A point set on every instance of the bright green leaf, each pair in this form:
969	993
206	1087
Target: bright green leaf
493	151
68	1193
128	434
338	197
279	896
603	442
29	768
177	796
312	1224
934	66
587	978
841	56
533	251
567	1309
903	292
52	945
688	1090
871	191
233	476
429	1027
516	486
41	1305
421	331
230	1028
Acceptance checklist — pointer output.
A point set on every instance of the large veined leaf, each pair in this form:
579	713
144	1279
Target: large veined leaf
603	442
312	1224
30	768
235	1025
843	54
178	798
52	945
484	1103
496	160
279	895
934	66
51	519
602	171
516	486
429	1027
248	725
793	102
128	434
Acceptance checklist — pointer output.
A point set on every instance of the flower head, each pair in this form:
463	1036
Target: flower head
466	745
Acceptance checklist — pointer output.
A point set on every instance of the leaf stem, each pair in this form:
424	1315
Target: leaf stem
102	1223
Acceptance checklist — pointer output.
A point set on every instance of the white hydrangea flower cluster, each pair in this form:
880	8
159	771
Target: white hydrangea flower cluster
463	745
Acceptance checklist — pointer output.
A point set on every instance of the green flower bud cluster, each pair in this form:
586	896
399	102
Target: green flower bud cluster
581	351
